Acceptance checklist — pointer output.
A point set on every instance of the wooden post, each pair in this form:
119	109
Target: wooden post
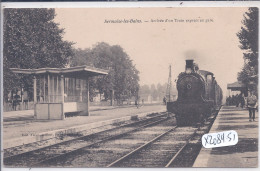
75	90
57	89
62	94
67	87
44	95
62	88
112	98
53	89
34	90
40	87
22	99
81	89
87	102
49	89
34	95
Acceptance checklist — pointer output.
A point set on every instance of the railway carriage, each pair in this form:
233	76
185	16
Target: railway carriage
198	95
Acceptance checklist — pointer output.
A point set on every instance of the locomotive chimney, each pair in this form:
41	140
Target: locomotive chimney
189	66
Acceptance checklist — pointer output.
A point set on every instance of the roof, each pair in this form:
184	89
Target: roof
78	71
205	73
236	86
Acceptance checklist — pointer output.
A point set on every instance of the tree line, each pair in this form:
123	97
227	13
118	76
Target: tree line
248	38
33	40
122	81
156	91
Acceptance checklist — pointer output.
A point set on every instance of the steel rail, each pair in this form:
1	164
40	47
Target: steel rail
78	138
148	143
180	150
140	148
97	142
187	142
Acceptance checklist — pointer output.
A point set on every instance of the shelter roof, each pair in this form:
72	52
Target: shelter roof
78	71
236	86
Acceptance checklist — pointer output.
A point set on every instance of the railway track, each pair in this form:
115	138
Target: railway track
103	153
160	145
160	151
168	149
154	143
31	157
187	155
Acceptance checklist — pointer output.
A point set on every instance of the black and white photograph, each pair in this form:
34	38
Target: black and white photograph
128	86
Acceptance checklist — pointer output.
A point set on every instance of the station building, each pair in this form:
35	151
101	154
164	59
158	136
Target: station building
61	90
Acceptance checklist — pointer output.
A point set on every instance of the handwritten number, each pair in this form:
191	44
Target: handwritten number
229	137
218	140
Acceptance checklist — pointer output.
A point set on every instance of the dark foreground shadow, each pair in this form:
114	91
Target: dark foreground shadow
243	145
236	127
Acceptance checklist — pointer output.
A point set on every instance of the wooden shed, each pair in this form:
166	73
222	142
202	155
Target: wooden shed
61	90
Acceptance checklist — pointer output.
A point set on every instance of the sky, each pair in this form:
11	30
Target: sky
207	35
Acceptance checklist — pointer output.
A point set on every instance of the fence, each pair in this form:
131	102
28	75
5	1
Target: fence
30	106
8	106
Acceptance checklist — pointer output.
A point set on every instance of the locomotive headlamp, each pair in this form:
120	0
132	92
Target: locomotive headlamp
188	70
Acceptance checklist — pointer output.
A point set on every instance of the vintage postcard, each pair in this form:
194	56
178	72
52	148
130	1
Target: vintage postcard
130	85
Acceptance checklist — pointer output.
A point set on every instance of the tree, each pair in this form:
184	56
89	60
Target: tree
85	57
122	77
161	91
82	57
144	91
246	72
31	40
154	92
248	38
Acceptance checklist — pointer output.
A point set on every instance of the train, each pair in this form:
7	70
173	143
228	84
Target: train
199	95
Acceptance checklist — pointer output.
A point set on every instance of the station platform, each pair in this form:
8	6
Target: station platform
19	127
29	114
242	155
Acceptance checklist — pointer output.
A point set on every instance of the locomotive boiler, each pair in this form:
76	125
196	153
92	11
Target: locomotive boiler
198	95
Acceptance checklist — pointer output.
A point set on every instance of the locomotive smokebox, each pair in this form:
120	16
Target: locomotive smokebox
189	66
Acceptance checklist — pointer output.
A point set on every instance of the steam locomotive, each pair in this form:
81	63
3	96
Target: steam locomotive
198	95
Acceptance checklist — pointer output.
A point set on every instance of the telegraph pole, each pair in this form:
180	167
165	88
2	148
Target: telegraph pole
169	85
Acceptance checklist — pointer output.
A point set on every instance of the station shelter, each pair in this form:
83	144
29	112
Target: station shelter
61	90
237	87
